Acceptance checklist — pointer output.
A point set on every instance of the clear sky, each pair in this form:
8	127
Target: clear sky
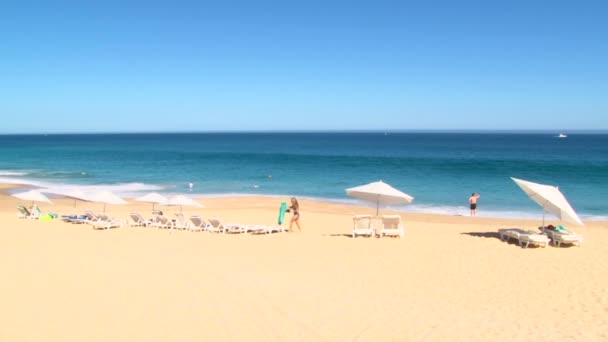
305	65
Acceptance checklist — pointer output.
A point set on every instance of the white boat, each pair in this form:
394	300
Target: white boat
562	136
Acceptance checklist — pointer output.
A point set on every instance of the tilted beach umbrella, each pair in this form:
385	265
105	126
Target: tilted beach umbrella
379	193
551	199
181	200
107	197
153	198
32	195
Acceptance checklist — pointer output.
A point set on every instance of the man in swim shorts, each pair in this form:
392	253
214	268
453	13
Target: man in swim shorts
473	203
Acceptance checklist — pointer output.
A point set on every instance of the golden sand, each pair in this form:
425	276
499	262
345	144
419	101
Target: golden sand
449	279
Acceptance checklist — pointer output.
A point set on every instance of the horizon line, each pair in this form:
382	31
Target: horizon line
332	131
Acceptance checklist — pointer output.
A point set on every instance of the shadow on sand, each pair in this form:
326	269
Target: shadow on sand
340	235
486	235
496	235
491	235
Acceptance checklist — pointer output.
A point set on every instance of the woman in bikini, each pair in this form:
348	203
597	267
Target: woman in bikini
295	207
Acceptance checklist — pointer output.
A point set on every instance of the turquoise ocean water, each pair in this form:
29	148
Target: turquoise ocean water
439	169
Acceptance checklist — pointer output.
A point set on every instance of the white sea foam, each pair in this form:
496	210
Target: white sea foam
123	189
12	173
15	180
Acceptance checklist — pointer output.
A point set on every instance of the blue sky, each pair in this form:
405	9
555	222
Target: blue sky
306	65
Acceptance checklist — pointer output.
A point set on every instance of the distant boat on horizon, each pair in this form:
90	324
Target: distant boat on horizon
562	136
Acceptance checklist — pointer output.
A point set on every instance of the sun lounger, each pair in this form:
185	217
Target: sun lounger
563	236
259	229
391	226
87	217
91	216
180	222
107	224
72	218
35	212
138	221
525	238
197	224
217	226
103	217
163	222
362	225
23	213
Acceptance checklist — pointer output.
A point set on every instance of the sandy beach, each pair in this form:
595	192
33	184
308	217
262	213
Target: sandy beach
451	278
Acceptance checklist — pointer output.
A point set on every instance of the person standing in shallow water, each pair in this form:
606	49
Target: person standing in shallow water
295	218
473	203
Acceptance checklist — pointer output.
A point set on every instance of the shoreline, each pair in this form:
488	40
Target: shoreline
269	202
5	188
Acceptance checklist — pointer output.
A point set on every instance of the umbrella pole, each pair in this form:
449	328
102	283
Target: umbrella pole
543	216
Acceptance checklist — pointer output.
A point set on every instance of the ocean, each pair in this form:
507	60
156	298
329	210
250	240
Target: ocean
440	170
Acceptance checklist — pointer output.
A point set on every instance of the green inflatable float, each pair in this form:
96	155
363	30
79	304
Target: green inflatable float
282	211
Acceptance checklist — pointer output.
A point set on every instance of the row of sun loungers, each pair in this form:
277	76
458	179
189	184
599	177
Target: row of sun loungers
390	226
198	224
97	221
526	238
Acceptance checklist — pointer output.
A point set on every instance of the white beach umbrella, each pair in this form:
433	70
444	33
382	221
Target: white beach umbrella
153	198
551	199
379	193
107	197
181	200
75	194
32	195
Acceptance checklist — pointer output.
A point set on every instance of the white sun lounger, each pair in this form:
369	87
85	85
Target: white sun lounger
91	216
163	222
525	238
107	224
103	217
391	226
138	221
362	225
23	213
180	222
560	237
217	226
197	224
259	229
